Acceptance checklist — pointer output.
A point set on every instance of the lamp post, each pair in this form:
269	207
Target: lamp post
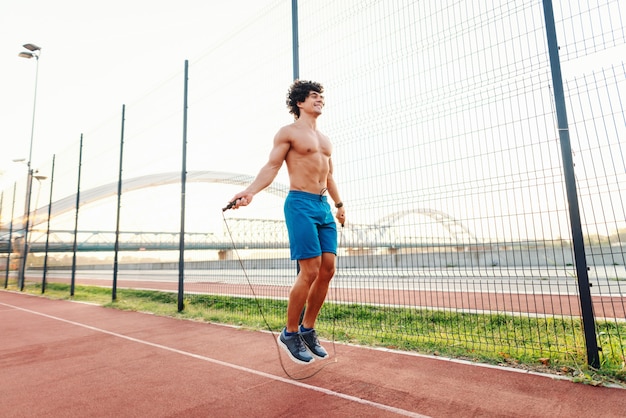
32	174
33	52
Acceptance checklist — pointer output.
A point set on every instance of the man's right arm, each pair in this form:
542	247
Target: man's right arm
268	172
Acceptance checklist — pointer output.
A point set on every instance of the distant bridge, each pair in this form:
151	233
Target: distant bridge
246	234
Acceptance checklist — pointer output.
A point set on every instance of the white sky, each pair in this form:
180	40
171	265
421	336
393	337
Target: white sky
378	63
95	57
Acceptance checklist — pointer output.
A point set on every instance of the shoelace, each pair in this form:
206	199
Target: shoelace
300	344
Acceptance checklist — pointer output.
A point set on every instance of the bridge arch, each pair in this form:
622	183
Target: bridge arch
455	228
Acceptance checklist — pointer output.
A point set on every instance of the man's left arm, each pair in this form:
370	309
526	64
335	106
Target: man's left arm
333	191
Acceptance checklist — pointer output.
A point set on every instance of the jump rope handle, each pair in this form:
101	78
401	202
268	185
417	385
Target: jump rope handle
230	205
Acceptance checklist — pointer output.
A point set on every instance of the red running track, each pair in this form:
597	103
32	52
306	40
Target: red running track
68	359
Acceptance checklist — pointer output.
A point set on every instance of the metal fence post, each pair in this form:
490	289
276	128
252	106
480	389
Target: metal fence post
75	245
584	291
45	258
183	182
119	205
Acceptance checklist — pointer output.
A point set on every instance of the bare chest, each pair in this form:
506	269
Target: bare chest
311	144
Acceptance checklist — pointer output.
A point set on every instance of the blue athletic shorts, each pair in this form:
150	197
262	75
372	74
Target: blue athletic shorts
310	224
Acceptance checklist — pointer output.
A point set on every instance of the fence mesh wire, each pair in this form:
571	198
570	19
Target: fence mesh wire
447	156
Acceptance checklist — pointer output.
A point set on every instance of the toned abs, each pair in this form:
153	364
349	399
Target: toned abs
308	160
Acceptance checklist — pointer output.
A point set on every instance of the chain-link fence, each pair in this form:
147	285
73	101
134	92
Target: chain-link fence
447	152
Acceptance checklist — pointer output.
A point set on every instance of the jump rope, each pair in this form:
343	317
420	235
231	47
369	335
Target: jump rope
256	300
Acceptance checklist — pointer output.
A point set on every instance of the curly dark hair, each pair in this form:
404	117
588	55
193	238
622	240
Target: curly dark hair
298	92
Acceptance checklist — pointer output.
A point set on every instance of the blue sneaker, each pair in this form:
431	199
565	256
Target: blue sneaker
313	344
294	346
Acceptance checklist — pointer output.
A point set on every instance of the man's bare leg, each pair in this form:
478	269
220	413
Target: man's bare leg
318	290
309	270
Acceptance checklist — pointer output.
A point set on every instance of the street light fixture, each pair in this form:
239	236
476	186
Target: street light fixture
32	47
35	51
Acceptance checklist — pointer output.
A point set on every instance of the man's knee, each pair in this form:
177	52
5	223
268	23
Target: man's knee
327	267
309	269
327	271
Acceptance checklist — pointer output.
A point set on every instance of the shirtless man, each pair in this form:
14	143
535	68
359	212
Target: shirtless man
312	229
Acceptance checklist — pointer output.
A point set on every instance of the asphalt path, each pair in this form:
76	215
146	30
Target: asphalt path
544	281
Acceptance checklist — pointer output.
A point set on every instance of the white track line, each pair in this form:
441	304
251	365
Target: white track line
232	366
